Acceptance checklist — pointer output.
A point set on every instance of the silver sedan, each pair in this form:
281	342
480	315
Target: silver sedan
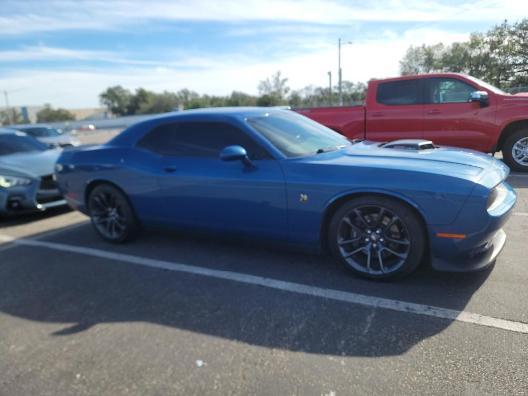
26	174
53	137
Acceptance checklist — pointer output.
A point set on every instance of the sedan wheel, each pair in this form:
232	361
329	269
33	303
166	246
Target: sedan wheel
111	214
377	237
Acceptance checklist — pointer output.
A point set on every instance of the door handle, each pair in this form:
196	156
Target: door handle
170	169
434	111
377	114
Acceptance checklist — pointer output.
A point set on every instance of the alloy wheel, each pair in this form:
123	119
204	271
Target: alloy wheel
373	240
520	151
107	215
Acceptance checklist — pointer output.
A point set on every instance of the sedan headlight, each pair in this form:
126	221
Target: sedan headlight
12	181
496	196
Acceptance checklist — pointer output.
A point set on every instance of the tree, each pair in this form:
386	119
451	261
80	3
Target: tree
499	56
139	101
117	99
49	114
422	59
240	99
159	103
268	100
273	90
10	117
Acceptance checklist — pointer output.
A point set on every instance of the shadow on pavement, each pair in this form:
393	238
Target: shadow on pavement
29	217
54	287
518	181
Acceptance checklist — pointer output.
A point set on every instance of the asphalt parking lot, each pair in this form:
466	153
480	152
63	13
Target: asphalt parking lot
180	314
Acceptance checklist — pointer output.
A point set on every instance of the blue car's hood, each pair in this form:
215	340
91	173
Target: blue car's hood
38	163
451	161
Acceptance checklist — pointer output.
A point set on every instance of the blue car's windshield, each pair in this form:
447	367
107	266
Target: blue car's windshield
295	135
13	144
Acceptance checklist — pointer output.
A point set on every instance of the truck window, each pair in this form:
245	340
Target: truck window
447	90
405	92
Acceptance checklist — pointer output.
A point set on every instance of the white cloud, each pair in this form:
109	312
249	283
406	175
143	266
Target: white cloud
302	38
217	75
22	17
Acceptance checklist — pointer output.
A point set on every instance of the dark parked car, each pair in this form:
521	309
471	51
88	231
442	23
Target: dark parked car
26	174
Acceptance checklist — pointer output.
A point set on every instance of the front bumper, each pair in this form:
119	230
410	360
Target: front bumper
484	237
475	259
35	197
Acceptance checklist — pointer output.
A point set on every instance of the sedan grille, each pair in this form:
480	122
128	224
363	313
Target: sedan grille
47	183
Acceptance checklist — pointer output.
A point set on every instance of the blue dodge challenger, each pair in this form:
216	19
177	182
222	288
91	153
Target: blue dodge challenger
380	208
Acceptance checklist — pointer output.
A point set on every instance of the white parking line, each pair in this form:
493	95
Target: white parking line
337	295
60	230
520	213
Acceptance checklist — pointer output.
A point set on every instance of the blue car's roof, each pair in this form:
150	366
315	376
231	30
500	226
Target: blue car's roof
211	113
219	111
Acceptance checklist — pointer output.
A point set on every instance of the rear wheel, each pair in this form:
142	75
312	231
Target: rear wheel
377	237
515	150
111	214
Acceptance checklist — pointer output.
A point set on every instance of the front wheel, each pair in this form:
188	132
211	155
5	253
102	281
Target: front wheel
377	237
515	151
111	214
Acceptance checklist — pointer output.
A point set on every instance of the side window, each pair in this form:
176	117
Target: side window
448	90
199	139
404	92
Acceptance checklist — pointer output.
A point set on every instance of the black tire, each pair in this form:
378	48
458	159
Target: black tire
508	148
112	216
383	226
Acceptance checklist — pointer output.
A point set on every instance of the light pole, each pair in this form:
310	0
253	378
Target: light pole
339	75
6	97
330	87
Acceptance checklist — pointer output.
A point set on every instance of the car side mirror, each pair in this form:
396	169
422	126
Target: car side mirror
235	153
480	97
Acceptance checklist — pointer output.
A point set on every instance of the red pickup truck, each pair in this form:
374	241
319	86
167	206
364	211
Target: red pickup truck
448	108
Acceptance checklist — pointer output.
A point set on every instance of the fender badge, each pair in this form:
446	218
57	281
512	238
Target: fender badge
303	197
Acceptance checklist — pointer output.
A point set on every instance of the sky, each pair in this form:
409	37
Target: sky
67	52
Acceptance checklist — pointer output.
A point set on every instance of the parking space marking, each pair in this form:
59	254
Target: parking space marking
331	294
520	213
10	245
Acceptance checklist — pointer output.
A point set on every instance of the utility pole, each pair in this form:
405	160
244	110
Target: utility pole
339	76
6	96
339	71
330	87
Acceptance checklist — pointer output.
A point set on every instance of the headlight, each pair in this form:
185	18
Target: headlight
12	181
496	196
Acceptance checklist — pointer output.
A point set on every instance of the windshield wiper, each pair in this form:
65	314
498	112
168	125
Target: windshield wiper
328	149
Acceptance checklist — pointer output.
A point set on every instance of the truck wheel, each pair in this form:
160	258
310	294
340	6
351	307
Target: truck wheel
515	150
377	237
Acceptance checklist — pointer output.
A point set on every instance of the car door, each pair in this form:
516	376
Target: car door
451	119
397	111
200	190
